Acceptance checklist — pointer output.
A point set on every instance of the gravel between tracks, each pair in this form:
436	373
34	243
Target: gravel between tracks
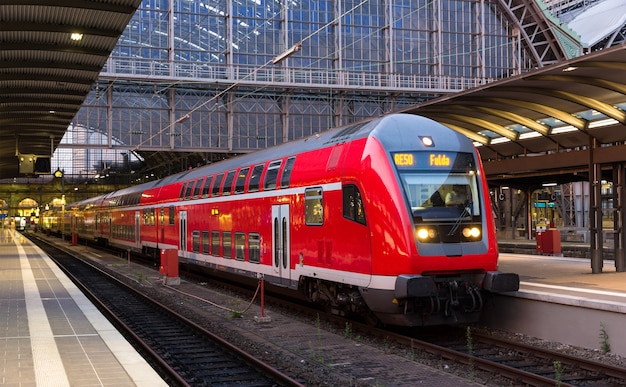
316	354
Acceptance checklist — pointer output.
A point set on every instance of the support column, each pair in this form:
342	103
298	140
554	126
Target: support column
619	216
509	217
595	210
529	218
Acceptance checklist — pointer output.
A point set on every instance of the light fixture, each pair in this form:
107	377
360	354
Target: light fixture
563	129
427	141
58	173
76	36
570	68
499	140
602	123
548	185
531	134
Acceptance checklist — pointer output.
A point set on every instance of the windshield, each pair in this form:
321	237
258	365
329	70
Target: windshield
441	195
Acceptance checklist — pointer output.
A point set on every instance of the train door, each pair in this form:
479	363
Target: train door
280	246
183	231
137	225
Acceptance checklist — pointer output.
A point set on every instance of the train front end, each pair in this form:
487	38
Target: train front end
451	258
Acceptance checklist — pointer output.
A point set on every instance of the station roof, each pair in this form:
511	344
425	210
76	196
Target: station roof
533	125
45	77
46	72
599	21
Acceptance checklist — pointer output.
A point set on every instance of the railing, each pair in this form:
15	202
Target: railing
287	77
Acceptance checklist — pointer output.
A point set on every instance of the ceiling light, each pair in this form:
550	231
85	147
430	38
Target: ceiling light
499	140
601	123
76	36
569	68
528	135
563	129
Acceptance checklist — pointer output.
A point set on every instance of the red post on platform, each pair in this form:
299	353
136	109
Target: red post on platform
552	242
263	318
74	238
169	266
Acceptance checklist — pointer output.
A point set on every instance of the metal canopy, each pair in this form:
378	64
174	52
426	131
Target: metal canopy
45	75
524	125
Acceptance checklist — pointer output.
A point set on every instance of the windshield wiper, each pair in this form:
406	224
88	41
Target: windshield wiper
466	211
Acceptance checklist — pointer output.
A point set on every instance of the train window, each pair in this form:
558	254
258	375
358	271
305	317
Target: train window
255	178
228	183
197	187
241	180
227	244
195	241
148	216
183	188
205	242
439	193
171	215
254	248
272	174
217	182
314	206
215	243
353	204
240	246
286	177
207	186
189	190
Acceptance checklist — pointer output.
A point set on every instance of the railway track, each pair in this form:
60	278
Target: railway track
182	351
556	366
521	363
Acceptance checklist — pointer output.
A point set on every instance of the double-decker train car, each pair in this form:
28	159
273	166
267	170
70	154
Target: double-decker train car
388	219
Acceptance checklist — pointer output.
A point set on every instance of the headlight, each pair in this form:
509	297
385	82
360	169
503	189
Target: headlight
472	232
424	234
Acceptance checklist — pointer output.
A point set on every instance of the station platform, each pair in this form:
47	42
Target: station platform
561	300
51	334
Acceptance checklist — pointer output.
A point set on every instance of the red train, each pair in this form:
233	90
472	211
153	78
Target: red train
359	219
